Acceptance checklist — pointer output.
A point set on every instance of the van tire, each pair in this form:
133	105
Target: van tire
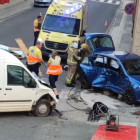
42	108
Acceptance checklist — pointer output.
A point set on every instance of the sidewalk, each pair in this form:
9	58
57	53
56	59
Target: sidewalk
14	7
121	29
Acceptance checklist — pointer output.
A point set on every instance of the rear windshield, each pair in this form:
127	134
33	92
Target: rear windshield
99	42
61	24
132	66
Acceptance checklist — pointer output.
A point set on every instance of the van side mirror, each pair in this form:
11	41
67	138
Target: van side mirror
83	33
32	83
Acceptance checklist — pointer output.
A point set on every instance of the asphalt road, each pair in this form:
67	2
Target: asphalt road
21	26
17	126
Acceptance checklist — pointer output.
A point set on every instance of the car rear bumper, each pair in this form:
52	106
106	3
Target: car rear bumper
42	3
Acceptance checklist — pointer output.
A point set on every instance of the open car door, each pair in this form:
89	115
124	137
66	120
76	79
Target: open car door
99	42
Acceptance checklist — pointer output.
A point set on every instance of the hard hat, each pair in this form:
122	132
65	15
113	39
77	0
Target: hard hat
40	40
84	46
76	40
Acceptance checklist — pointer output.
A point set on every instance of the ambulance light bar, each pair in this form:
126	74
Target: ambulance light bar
73	9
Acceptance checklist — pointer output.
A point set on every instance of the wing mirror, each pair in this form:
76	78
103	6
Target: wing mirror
83	33
32	83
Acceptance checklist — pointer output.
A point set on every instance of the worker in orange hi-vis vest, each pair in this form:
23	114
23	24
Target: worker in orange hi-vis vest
37	26
54	70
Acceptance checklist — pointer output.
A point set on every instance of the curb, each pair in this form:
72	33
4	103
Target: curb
114	19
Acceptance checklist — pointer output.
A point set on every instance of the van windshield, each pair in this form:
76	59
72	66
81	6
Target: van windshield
132	66
61	24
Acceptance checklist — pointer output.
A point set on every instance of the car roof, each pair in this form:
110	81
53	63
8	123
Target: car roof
7	57
121	55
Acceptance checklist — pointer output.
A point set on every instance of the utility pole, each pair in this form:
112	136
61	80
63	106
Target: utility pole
136	30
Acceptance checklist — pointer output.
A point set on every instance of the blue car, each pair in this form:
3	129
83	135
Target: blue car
112	70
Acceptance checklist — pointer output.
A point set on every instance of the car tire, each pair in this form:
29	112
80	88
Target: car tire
129	96
84	82
42	108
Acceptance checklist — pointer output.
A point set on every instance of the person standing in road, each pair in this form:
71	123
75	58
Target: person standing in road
54	70
74	58
35	57
37	26
72	61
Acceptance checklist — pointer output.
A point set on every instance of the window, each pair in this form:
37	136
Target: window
114	65
85	61
99	42
62	24
27	79
18	76
100	61
132	66
15	76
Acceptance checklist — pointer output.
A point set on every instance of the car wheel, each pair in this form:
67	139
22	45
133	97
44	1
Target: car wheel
42	108
84	82
129	96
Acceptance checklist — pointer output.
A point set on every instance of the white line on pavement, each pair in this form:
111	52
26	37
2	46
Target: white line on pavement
117	2
108	2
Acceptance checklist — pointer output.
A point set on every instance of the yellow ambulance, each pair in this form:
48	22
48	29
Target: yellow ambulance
64	21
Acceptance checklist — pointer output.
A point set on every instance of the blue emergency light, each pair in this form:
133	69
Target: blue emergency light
73	9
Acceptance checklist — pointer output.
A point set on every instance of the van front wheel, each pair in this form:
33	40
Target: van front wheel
42	108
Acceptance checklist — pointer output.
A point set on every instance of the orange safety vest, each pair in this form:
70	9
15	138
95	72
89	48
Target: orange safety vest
37	28
54	68
33	59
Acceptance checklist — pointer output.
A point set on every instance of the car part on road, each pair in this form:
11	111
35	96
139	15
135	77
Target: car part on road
42	109
129	96
98	110
112	123
84	82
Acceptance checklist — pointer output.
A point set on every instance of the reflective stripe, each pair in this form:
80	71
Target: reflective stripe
52	71
72	62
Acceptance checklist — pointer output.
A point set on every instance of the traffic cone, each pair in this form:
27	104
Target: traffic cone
105	24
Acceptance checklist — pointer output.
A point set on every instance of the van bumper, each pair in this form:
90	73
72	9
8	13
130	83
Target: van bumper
47	53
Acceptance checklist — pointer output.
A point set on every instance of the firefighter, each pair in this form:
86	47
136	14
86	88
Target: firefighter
54	70
73	59
37	26
35	57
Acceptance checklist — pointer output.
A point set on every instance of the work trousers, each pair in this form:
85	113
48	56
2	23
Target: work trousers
34	68
52	80
35	37
71	72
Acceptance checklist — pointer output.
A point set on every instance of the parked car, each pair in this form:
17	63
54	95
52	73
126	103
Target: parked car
42	2
116	71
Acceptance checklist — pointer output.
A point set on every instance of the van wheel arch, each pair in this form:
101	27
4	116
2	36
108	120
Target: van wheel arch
46	97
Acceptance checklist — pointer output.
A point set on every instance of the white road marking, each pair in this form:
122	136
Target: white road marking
108	2
117	2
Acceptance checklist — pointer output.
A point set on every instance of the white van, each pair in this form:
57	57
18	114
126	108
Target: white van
21	91
42	2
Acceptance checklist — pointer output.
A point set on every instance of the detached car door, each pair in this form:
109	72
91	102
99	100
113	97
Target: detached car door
18	95
99	42
115	77
100	64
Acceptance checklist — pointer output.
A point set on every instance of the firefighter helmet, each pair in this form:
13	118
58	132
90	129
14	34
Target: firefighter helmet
84	46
